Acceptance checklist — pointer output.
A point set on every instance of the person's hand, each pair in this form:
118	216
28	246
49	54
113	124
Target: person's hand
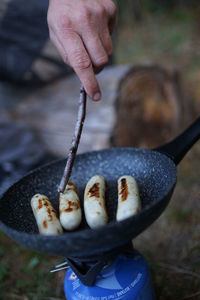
81	30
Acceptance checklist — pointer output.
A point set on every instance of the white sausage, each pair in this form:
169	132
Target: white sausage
69	207
45	215
94	202
128	198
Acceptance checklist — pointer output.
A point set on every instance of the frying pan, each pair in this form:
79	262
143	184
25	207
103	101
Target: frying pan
154	170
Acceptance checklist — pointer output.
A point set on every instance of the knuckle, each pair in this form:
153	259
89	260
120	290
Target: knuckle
60	24
101	61
64	22
84	14
100	11
81	60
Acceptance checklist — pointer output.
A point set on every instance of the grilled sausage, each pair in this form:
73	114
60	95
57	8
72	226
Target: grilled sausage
94	202
69	207
45	215
128	198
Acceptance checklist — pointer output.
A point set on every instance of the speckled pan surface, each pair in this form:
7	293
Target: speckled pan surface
154	172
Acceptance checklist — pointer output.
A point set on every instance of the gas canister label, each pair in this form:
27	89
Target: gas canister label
125	279
116	295
72	276
83	297
75	284
130	286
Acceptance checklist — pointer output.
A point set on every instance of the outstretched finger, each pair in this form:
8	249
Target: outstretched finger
80	61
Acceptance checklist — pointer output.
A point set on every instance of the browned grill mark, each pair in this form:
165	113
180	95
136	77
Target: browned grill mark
45	202
55	212
70	187
39	204
71	206
98	213
76	205
50	214
124	190
69	209
94	191
45	224
58	231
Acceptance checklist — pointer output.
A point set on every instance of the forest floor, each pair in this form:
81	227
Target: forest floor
172	244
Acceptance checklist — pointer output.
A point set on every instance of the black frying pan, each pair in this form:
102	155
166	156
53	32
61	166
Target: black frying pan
155	172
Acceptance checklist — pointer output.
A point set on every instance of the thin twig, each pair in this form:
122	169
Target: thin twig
13	296
192	295
75	140
179	270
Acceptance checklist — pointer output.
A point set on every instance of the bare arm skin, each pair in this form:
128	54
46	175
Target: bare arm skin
81	29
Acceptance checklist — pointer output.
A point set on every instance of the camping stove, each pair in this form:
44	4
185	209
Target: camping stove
118	274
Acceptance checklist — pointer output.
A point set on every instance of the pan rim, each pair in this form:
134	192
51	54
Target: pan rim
90	232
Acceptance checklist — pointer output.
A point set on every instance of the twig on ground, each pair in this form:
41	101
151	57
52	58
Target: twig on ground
13	296
179	270
75	141
192	295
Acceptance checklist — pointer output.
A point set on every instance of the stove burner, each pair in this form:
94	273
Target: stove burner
87	268
125	277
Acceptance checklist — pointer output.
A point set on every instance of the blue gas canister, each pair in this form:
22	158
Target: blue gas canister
125	279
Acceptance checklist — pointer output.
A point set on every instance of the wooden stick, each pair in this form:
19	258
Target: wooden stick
192	295
75	141
179	270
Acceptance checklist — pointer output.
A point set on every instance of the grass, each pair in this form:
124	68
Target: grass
172	244
163	39
24	274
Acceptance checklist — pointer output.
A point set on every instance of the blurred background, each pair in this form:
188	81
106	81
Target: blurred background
152	83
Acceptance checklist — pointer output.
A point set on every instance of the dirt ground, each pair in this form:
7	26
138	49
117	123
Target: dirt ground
172	244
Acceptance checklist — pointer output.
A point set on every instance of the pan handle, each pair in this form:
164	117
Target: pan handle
177	148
